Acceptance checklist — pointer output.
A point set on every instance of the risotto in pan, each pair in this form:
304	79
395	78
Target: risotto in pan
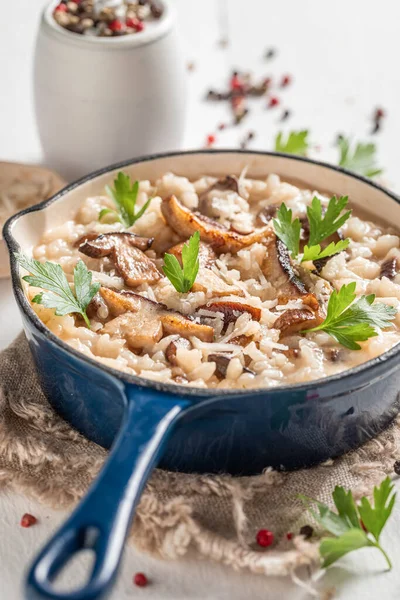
219	283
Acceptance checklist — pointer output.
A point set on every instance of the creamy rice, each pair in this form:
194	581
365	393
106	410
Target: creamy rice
258	355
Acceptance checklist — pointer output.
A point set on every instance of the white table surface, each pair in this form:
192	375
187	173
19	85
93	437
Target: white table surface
343	57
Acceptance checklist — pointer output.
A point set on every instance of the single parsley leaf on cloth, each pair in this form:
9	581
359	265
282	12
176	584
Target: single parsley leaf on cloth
345	525
350	322
322	226
295	143
287	230
183	278
59	294
124	193
362	159
315	252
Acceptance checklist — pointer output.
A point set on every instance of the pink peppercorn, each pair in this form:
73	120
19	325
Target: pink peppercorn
140	580
265	538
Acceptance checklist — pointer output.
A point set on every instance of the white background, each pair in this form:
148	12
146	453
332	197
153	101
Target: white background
343	57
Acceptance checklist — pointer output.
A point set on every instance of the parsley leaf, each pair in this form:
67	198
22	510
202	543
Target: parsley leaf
361	160
296	143
183	278
315	252
124	194
345	525
59	294
350	322
322	226
287	230
375	517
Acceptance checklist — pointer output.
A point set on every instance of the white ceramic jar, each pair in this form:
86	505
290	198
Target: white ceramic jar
101	100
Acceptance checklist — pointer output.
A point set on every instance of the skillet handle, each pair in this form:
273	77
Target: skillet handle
102	519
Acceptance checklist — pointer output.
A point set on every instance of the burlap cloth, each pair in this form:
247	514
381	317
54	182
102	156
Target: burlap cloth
215	516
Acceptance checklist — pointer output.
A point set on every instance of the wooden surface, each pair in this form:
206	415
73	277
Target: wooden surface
342	57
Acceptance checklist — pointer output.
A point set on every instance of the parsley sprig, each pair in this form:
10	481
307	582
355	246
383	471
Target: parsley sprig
350	322
183	278
346	526
295	143
321	227
361	159
59	294
124	193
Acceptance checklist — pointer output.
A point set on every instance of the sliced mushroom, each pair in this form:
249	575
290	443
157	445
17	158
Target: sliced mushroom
207	255
148	320
266	214
241	340
222	363
232	310
185	223
389	268
228	183
125	250
208	281
279	271
177	323
173	346
295	320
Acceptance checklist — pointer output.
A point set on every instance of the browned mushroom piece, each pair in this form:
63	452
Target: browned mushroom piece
266	214
222	363
228	183
173	346
143	322
241	340
232	310
278	270
185	223
125	250
177	323
297	319
207	255
389	268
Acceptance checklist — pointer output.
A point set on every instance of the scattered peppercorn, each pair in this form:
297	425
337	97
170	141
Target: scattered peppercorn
270	53
307	531
273	101
378	115
265	538
28	520
221	126
396	467
191	66
210	140
140	580
286	80
289	535
285	115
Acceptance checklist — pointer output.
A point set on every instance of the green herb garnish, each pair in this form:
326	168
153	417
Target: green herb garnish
287	230
315	252
362	159
347	525
183	278
59	294
321	227
295	143
124	194
350	323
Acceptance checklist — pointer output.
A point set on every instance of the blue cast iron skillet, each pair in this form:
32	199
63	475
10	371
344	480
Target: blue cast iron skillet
180	428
